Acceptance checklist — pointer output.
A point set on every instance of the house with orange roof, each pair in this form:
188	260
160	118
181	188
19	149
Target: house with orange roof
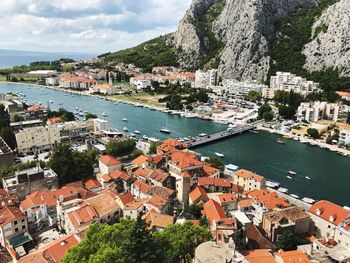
67	80
227	201
156	221
139	189
248	180
258	256
155	177
92	184
156	161
344	95
330	221
108	163
211	172
13	223
135	208
294	219
215	184
55	120
170	145
344	135
245	205
264	201
124	199
140	161
7	199
213	211
120	180
52	252
198	196
294	256
40	207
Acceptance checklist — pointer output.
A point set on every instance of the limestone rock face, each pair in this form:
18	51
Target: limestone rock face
244	26
330	48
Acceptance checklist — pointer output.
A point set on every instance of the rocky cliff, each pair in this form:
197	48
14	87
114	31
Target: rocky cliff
245	29
330	46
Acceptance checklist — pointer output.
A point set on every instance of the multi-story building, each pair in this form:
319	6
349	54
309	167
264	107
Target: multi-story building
7	199
106	89
37	138
285	81
6	154
108	164
30	180
67	80
236	88
99	125
248	180
315	111
74	131
206	79
13	224
51	81
344	135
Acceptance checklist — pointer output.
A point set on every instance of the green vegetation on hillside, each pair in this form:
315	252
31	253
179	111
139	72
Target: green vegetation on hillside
153	53
292	33
204	25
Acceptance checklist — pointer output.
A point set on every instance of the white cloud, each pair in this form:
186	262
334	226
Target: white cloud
85	25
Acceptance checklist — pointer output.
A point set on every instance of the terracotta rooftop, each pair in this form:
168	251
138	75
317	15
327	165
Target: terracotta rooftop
9	214
208	170
56	252
294	256
109	160
103	204
83	215
142	186
140	160
247	174
126	198
91	183
154	174
217	182
270	200
213	211
227	198
330	212
258	256
155	219
255	236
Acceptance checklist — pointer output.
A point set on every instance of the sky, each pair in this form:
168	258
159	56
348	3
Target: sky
86	26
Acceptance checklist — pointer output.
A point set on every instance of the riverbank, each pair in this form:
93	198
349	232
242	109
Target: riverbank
312	142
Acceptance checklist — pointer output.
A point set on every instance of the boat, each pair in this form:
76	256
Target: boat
272	184
295	196
115	103
105	114
253	131
282	190
125	119
164	130
308	200
292	172
132	134
125	129
50	101
203	135
137	132
289	177
307	177
280	142
219	155
145	137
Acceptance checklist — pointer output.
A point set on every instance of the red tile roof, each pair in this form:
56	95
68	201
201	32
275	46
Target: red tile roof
330	212
54	120
57	251
197	193
9	214
154	219
154	174
227	198
169	145
142	186
247	174
140	160
91	183
208	170
155	159
116	174
126	198
258	256
85	214
217	182
270	200
109	160
294	256
213	211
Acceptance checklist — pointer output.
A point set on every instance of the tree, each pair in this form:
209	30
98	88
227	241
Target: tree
263	109
287	112
17	118
268	116
313	133
120	148
90	116
215	162
153	147
140	245
195	211
179	241
289	241
136	153
5	131
253	96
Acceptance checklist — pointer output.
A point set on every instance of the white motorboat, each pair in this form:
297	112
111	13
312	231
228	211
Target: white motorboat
307	177
295	196
125	129
132	134
125	119
289	177
272	184
308	200
282	190
165	130
51	101
219	155
105	114
137	132
292	172
203	135
145	137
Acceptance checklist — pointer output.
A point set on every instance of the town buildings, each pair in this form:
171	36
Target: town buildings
248	180
106	89
6	154
206	79
67	80
315	111
344	135
285	81
236	88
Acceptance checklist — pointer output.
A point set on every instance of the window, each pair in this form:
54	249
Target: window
23	227
16	229
15	222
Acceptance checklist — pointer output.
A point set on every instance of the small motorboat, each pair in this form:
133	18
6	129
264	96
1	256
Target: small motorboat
125	119
308	200
282	190
164	130
295	196
125	129
307	177
105	114
281	142
203	135
289	177
219	155
272	184
132	135
292	172
137	132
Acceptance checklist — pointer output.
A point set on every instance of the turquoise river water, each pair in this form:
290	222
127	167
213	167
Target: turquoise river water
329	172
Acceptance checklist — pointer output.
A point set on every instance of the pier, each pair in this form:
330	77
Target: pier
221	135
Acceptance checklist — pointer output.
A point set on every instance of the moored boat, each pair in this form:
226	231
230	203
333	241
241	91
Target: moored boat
165	130
292	172
282	190
219	155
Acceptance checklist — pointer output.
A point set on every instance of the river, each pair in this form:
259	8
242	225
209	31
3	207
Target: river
329	172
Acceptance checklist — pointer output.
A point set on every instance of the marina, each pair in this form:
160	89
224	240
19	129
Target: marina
258	152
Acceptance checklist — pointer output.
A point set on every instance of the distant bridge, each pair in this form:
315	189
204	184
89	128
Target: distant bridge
239	129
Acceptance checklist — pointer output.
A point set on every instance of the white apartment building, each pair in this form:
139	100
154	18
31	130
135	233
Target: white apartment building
286	81
52	81
233	87
100	125
344	135
143	84
248	180
206	79
30	139
315	111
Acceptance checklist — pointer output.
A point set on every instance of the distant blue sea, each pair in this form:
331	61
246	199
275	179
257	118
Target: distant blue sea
10	58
